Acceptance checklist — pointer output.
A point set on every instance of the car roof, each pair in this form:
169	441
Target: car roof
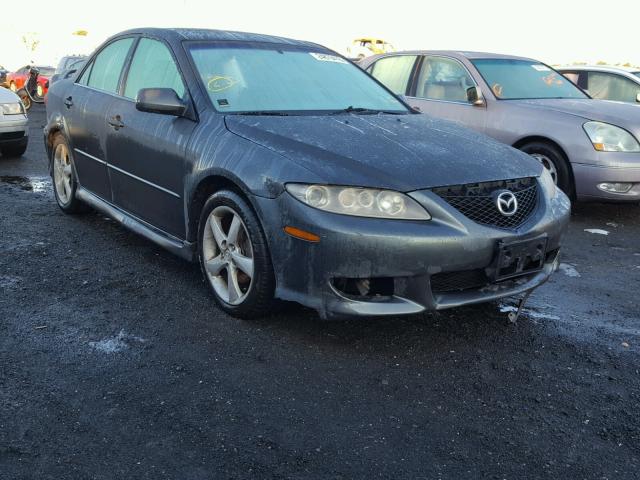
601	68
465	54
200	34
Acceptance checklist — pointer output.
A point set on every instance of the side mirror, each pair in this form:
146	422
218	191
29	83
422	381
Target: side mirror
160	100
475	97
638	97
68	73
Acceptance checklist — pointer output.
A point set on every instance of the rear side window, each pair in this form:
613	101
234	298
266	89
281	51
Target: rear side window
394	72
104	72
152	67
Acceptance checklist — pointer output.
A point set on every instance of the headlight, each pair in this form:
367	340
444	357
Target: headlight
12	108
361	202
547	182
609	138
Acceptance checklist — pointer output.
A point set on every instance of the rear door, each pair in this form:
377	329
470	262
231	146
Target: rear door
146	154
440	89
87	103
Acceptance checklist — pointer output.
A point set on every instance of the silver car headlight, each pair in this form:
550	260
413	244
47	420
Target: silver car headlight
609	138
12	108
359	201
547	182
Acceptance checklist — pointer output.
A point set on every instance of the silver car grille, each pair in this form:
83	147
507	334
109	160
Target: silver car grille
477	201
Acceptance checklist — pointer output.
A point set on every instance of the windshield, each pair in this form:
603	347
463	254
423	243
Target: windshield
525	79
279	78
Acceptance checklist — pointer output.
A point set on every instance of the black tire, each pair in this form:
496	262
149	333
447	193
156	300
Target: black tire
72	205
259	298
16	150
551	152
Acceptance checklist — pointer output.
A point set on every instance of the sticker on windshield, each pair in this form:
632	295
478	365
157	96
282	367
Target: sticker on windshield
541	68
323	57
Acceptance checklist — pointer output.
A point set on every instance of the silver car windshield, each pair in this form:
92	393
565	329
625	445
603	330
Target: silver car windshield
276	78
523	79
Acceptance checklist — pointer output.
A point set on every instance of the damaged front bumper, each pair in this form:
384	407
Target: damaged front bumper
373	267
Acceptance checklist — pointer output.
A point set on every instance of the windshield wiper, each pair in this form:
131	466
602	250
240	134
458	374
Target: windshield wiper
265	112
370	111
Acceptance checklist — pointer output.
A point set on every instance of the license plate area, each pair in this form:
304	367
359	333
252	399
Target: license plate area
520	257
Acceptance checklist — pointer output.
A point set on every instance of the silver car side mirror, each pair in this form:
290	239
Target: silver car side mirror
475	97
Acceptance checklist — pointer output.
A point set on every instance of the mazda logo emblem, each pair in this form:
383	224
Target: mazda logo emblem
507	203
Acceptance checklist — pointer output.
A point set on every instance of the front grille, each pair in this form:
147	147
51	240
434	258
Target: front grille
11	135
458	281
477	201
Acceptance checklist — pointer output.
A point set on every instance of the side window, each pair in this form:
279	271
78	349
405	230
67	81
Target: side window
104	73
443	79
608	86
394	72
152	67
84	79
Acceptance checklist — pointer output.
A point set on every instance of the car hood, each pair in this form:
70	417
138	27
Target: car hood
400	152
617	113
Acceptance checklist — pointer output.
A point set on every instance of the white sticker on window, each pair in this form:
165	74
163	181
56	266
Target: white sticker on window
323	57
541	68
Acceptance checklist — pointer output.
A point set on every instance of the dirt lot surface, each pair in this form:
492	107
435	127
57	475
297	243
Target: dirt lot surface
116	364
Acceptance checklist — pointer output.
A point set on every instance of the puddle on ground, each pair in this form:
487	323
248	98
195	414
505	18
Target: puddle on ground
29	184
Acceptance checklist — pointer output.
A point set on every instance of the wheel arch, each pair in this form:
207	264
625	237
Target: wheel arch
207	186
542	139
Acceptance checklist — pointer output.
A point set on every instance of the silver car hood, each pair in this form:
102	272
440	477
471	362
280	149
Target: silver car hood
617	113
7	96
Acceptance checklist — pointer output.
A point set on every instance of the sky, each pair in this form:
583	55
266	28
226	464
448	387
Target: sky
553	31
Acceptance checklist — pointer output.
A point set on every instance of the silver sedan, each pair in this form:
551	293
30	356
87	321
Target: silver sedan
590	147
14	133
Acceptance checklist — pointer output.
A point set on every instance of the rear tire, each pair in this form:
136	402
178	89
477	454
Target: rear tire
234	256
555	162
63	173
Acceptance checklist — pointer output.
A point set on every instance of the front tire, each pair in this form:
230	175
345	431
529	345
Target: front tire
554	161
63	173
234	256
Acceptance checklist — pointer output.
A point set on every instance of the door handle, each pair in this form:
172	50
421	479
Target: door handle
116	122
68	102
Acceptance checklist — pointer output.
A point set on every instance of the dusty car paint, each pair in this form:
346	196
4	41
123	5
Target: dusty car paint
154	174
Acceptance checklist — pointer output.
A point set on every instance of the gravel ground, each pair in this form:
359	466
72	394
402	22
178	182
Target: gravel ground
115	363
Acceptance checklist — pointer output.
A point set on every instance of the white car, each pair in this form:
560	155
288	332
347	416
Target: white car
619	84
14	131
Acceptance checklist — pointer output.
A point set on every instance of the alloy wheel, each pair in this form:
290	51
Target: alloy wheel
548	164
62	174
228	255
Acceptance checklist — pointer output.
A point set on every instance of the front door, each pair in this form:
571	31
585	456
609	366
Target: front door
146	151
440	89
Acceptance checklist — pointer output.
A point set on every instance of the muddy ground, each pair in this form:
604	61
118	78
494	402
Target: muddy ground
115	363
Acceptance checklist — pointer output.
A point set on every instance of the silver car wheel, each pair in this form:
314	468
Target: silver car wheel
62	174
228	255
548	164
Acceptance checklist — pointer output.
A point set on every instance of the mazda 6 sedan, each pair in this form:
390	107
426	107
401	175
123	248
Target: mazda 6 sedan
287	172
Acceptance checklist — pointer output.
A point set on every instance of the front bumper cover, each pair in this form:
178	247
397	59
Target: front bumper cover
410	252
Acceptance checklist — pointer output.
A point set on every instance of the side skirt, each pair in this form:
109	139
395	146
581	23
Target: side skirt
176	246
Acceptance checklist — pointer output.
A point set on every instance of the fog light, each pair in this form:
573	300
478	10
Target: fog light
617	187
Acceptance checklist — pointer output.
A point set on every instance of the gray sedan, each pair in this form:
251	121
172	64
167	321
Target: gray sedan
590	148
14	132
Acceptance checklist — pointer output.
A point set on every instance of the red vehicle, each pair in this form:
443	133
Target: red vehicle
16	80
